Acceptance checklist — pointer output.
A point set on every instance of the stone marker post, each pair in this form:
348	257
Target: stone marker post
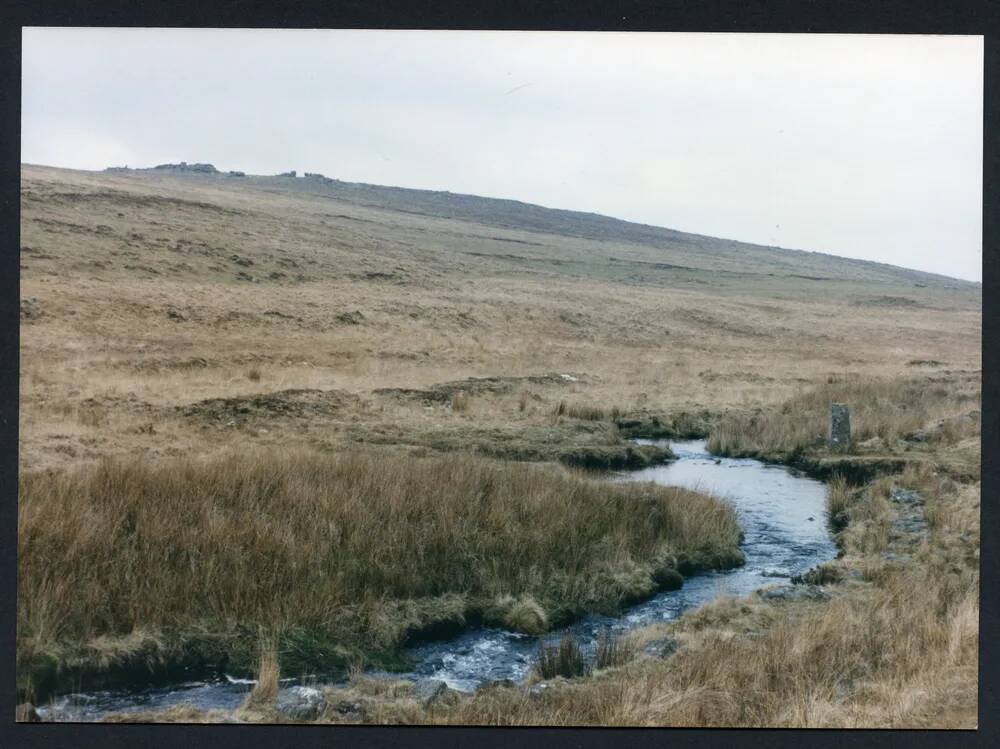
840	426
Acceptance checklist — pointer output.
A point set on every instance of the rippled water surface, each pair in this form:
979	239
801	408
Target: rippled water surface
784	520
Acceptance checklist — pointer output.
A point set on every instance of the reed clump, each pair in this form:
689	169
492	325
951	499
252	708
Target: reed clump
613	650
562	659
839	498
586	412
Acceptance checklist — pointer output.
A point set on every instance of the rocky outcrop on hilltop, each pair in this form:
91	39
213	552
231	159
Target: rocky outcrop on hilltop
186	167
183	167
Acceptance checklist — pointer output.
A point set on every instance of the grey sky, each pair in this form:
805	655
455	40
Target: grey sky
863	146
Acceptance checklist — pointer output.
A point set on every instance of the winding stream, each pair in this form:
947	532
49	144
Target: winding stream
784	519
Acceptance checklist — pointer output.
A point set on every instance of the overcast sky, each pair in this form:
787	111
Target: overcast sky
864	146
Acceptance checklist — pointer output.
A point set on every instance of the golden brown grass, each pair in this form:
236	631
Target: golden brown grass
265	690
146	316
613	650
524	615
672	341
340	543
587	412
839	498
883	411
181	713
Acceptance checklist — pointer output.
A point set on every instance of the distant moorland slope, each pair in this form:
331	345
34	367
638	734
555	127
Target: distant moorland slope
698	251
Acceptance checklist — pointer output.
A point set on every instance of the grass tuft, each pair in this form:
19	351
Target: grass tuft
564	659
839	497
265	691
613	650
527	616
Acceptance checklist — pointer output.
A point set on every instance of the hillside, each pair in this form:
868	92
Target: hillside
735	256
156	290
688	252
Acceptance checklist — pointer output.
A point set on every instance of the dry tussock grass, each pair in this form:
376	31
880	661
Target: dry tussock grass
613	650
839	499
181	713
106	331
886	409
303	539
264	694
561	659
95	353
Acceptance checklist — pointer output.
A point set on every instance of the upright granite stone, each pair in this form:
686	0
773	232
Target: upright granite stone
840	426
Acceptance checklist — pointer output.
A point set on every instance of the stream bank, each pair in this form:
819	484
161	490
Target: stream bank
785	534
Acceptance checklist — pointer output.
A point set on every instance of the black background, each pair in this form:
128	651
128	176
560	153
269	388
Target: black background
837	16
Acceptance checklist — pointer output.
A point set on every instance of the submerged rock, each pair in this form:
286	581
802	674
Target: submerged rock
301	703
905	496
774	573
822	574
794	593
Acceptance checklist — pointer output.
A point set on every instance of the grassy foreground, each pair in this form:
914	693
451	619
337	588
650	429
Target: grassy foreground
893	641
337	555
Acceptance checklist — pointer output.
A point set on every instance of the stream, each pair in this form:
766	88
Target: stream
783	515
